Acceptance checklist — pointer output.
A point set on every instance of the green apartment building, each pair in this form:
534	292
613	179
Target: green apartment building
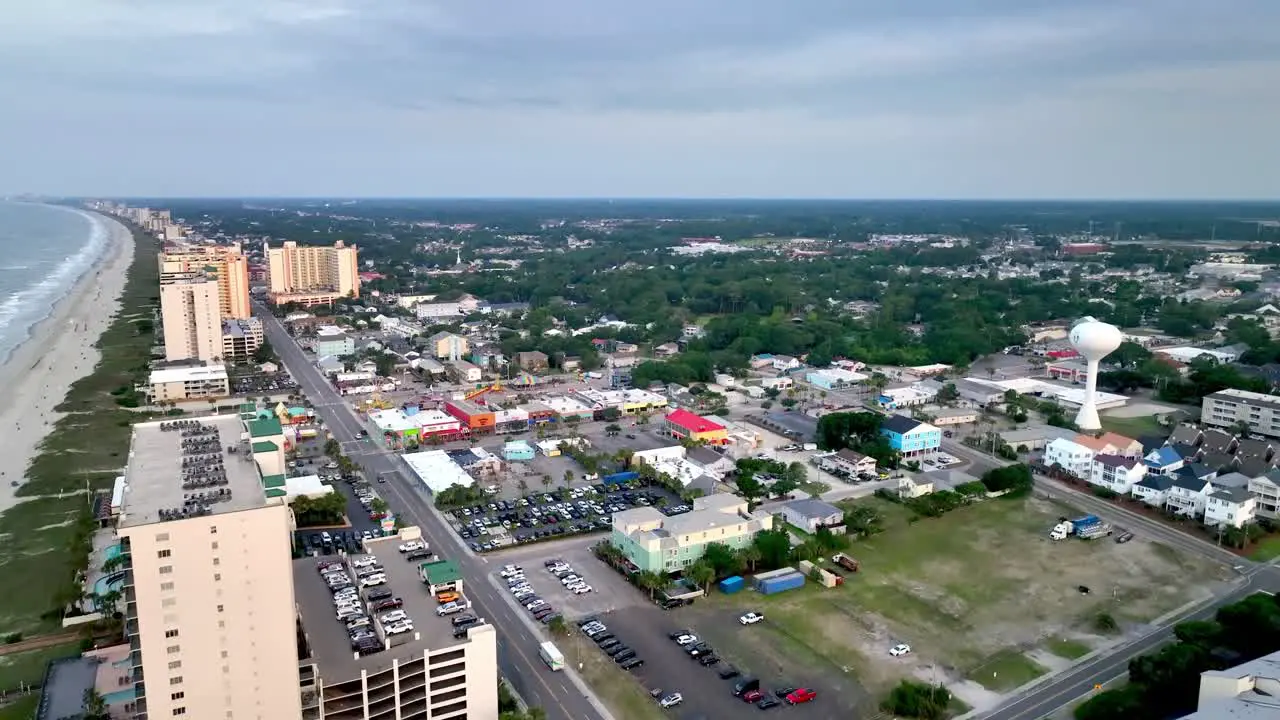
664	544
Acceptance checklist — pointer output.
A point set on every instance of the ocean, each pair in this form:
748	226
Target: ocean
44	249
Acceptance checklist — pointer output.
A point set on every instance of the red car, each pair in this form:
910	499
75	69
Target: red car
803	695
752	696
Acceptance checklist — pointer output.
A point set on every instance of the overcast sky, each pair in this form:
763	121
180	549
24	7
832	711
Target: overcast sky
654	98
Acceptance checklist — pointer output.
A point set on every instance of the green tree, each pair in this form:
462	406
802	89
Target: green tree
749	556
721	558
94	705
918	700
774	547
651	581
557	626
1124	703
701	574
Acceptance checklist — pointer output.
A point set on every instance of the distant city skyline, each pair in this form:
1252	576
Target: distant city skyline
1128	99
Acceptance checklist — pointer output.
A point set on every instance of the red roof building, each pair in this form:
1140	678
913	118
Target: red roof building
684	424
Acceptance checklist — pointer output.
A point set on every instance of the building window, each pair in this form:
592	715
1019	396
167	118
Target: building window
175	664
219	608
173	649
216	561
163	553
179	711
217	577
166	586
166	569
168	602
162	537
177	696
213	529
213	545
176	680
171	633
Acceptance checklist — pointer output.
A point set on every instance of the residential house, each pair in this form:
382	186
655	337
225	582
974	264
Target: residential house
910	437
570	363
1266	489
1153	489
1255	456
1163	461
1219	441
1233	507
1186	434
532	360
1188	496
666	350
847	462
785	363
1110	443
1220	462
1117	473
1073	457
810	514
911	485
1231	480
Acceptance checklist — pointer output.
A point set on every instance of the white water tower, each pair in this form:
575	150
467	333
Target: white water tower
1094	340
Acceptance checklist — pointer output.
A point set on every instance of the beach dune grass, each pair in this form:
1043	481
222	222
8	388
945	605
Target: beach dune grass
47	534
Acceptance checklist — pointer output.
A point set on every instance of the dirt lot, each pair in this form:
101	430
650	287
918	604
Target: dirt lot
984	598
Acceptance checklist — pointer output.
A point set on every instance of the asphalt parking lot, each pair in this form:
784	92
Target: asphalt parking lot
356	515
262	383
645	629
499	523
609	591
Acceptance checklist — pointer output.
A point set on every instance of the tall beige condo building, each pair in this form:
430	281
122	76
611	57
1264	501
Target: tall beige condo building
208	588
312	274
226	263
191	317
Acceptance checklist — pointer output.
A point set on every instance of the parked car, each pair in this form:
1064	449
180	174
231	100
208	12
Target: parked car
802	695
900	649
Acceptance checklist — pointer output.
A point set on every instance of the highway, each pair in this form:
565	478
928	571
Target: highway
554	692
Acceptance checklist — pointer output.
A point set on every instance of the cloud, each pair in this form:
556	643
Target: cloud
716	97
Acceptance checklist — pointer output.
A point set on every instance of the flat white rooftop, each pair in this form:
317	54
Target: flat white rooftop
437	470
189	374
181	465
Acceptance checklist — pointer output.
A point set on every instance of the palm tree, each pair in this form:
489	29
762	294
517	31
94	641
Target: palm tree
701	573
568	477
750	555
546	480
651	581
523	485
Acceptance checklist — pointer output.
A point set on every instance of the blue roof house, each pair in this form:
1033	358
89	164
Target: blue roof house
910	437
1164	461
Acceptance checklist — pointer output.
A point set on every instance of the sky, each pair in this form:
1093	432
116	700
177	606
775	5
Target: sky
1112	99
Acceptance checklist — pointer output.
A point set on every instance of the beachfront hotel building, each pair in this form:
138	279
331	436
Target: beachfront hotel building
188	382
311	274
208	587
190	317
225	263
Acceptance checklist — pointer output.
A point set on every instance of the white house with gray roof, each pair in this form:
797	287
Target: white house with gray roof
1233	507
810	514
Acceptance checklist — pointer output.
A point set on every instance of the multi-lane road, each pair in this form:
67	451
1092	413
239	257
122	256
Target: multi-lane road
554	692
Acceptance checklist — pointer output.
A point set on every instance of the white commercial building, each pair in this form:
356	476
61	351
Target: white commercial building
437	471
189	383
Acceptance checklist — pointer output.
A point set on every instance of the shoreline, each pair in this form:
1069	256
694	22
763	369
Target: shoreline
58	352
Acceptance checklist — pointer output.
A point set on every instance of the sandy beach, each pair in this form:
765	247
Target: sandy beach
59	352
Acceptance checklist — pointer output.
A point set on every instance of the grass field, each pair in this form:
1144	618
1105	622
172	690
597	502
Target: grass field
1069	649
616	686
47	534
1006	671
977	587
1268	549
27	668
24	708
1133	427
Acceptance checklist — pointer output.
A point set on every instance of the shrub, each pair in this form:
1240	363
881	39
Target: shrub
918	700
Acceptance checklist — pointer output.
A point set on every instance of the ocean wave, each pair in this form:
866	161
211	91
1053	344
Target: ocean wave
58	281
